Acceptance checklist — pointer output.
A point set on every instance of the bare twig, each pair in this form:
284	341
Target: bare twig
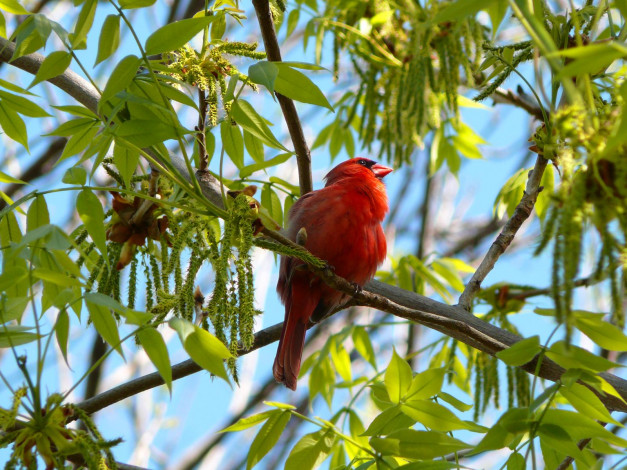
525	294
475	238
303	156
200	130
509	97
522	213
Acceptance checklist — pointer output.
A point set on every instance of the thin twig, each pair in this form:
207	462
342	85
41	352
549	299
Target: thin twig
525	294
200	130
504	96
522	213
303	156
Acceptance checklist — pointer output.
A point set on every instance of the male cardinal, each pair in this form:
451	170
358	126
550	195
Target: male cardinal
342	225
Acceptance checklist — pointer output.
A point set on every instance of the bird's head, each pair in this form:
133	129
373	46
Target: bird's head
357	167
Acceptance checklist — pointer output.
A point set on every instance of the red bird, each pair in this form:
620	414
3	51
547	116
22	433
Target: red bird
343	226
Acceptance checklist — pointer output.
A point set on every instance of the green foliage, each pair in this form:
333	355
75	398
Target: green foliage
134	263
409	65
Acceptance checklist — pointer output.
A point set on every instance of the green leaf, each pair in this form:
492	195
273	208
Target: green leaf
109	38
250	421
604	334
398	377
13	6
72	127
267	437
79	141
297	86
466	141
264	73
591	59
130	4
54	64
574	357
271	202
246	116
37	214
254	147
75	175
558	438
233	143
586	402
412	444
341	360
105	325
16	335
292	21
426	384
4	178
250	169
83	24
436	416
91	213
13	125
521	352
219	26
175	35
62	332
451	400
461	9
126	161
23	105
120	78
205	349
516	462
152	342
389	421
311	450
363	345
580	426
145	132
512	424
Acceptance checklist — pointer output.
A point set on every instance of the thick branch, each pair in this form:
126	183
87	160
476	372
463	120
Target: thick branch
522	213
450	320
303	156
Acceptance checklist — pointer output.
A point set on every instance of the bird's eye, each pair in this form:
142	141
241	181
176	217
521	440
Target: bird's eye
363	162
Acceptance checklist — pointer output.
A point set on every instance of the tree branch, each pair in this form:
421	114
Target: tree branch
452	321
70	82
303	156
522	213
519	100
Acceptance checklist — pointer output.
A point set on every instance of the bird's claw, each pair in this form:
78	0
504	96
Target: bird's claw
356	288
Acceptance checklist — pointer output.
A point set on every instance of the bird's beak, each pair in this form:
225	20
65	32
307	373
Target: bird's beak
380	171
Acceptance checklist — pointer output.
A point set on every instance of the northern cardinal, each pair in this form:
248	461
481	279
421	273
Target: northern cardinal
342	225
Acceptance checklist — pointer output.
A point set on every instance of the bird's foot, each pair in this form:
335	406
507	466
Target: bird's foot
329	268
356	288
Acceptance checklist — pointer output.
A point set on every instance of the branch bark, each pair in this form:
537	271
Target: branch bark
522	213
303	156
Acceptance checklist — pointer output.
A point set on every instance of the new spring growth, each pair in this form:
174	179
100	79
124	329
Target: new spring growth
208	70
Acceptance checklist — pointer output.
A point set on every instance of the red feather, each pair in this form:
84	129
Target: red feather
343	224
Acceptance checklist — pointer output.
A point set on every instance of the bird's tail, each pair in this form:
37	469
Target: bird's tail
290	351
